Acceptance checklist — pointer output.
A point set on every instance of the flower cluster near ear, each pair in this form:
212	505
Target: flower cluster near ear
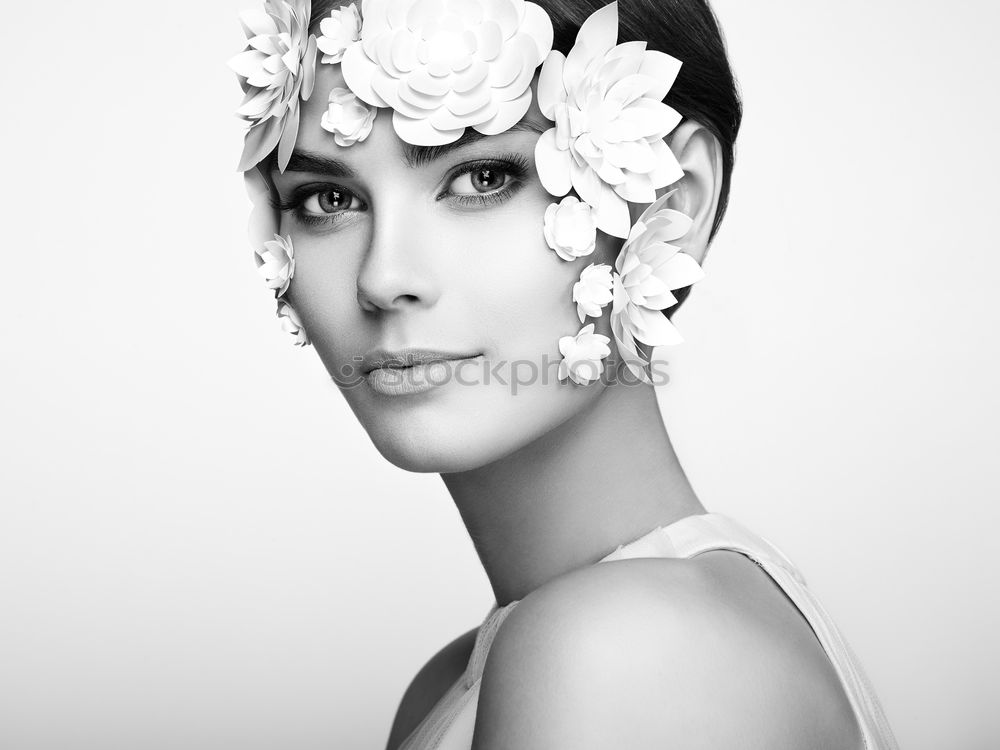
443	66
605	100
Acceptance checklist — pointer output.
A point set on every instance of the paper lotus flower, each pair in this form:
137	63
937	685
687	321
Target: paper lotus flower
610	121
649	270
276	70
347	117
276	263
593	291
582	355
570	229
291	323
338	32
445	65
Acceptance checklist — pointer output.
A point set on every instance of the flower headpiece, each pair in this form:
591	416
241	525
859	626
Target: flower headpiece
443	66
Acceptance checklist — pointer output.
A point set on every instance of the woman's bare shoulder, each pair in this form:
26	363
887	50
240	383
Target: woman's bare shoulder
428	686
706	654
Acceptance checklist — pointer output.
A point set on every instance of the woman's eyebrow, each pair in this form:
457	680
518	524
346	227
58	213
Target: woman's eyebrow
418	156
306	161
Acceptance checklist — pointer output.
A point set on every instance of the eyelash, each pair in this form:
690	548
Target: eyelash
515	166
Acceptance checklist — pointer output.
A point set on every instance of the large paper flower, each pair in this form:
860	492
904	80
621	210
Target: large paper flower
276	263
347	117
582	355
291	323
338	32
610	121
444	65
593	291
277	69
649	270
570	229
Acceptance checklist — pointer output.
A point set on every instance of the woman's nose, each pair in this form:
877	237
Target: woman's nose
397	270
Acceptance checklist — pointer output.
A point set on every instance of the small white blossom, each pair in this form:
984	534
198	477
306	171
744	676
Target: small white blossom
593	291
276	263
338	32
582	355
291	323
570	229
348	118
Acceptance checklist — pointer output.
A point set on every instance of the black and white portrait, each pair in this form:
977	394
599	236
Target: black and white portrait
500	375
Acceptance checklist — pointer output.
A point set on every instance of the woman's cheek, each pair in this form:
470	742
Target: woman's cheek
323	289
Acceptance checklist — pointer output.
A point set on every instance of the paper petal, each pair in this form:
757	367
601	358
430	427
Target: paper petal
668	225
597	36
358	71
257	22
261	140
553	165
537	24
421	132
663	69
509	114
551	90
668	170
682	271
657	330
308	70
288	137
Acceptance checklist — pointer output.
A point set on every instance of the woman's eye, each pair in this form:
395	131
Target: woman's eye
330	201
479	180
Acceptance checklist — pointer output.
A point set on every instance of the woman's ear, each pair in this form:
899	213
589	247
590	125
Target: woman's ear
700	156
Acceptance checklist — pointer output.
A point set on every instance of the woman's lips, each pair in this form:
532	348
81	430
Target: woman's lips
409	372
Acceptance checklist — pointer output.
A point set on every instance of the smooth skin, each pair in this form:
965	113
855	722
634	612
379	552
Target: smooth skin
397	247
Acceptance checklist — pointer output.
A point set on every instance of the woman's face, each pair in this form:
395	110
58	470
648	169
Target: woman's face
401	248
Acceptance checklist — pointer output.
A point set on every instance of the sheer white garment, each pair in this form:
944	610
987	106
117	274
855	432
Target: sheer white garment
450	723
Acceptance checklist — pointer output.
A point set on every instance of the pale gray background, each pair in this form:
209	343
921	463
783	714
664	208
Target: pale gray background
199	547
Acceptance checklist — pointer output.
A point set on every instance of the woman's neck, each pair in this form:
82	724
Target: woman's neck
603	478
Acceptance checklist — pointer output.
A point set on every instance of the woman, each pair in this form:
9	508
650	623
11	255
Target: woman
446	192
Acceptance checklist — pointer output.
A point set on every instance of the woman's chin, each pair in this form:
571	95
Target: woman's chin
435	454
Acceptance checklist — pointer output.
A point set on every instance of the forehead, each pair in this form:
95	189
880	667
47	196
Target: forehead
313	138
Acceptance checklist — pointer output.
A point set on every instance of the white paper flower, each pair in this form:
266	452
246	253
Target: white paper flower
338	32
347	117
610	121
276	263
570	229
582	355
593	291
444	65
291	323
277	69
649	270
